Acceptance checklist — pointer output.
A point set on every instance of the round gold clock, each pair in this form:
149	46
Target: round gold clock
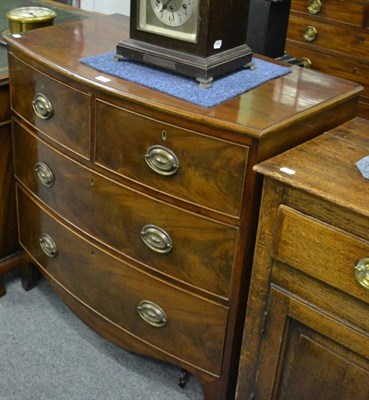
26	18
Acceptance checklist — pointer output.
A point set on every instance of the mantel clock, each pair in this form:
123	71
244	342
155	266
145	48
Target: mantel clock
199	38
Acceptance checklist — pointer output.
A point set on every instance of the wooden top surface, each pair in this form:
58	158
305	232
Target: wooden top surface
273	105
325	166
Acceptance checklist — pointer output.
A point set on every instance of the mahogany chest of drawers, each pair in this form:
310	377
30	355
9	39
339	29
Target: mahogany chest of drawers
307	324
140	208
333	37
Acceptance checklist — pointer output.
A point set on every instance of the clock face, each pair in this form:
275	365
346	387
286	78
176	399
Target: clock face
173	12
177	19
25	14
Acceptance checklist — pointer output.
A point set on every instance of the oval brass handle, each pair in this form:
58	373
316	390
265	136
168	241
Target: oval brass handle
162	160
310	33
42	106
314	6
151	313
48	245
44	174
156	239
362	272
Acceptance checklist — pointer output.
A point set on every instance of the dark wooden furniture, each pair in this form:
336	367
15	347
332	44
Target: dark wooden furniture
156	263
10	256
307	325
8	226
333	37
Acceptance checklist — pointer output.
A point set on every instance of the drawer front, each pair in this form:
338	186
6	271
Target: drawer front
209	172
187	327
321	251
330	65
349	13
60	112
180	244
338	38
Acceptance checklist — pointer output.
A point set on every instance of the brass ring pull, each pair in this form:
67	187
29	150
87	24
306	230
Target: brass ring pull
48	245
310	33
156	239
152	314
362	272
162	160
314	6
42	106
44	174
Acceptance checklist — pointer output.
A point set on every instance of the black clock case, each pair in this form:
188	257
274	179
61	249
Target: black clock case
218	20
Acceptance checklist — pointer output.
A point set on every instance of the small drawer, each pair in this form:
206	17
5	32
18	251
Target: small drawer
179	244
349	13
337	38
186	327
182	163
60	112
323	252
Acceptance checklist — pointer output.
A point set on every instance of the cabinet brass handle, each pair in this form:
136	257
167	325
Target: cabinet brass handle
156	239
362	272
48	245
314	6
44	174
42	106
152	314
310	33
162	160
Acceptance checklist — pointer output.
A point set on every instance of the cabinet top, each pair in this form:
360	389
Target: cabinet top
270	107
326	166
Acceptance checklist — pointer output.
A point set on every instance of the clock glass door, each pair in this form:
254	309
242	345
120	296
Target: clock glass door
177	19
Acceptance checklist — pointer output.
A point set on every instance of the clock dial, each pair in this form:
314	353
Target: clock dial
177	19
173	12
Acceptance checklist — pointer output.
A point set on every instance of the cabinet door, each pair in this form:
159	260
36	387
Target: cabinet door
309	354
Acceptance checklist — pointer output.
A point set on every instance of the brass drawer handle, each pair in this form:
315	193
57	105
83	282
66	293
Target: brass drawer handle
362	272
42	106
310	33
162	160
314	6
152	313
48	245
156	239
44	174
306	62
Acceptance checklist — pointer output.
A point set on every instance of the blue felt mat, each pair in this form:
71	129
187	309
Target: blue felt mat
184	87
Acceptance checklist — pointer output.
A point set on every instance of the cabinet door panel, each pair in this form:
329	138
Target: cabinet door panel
305	351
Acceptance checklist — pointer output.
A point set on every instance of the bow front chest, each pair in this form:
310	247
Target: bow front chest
141	209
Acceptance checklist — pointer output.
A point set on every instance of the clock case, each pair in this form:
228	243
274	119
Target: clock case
219	20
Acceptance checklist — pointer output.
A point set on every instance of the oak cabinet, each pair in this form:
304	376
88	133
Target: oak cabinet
307	325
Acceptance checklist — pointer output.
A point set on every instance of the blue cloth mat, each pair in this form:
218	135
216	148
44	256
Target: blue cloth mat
187	88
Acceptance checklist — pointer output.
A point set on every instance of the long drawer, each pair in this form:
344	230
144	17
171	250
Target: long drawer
311	247
332	10
179	244
329	36
185	164
60	112
185	326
